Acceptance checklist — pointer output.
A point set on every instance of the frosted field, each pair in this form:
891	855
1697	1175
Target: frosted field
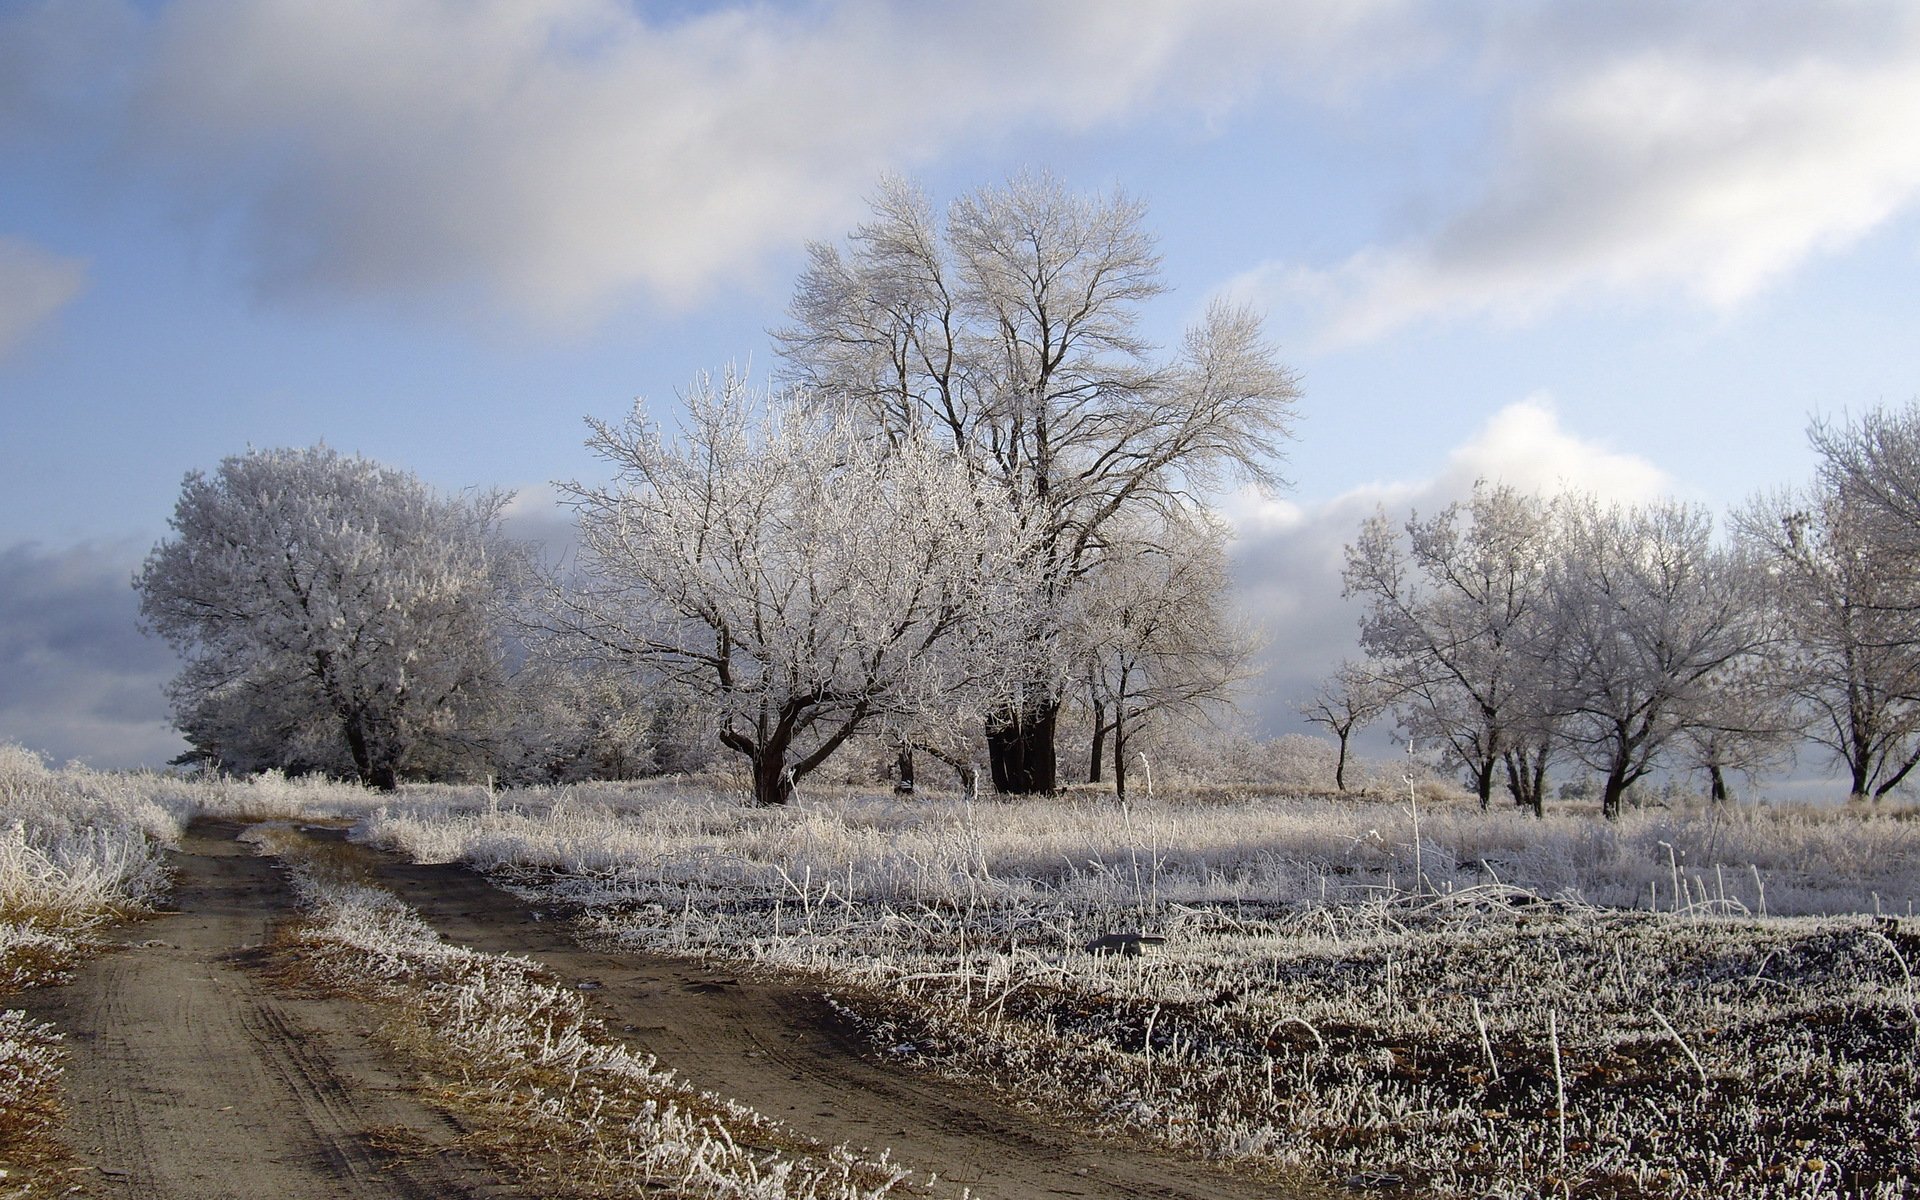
1684	1003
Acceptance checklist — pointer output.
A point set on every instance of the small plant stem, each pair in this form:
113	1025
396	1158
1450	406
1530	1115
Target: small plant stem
1559	1082
1486	1043
1682	1042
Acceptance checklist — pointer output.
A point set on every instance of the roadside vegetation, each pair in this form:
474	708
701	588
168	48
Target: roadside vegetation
547	1094
1692	1002
78	850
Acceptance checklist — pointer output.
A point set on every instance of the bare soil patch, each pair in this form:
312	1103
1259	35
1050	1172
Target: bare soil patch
191	1076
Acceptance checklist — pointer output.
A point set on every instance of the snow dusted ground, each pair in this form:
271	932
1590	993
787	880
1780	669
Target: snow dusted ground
1685	1003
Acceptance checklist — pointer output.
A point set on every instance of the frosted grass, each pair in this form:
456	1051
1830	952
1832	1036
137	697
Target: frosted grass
1688	1002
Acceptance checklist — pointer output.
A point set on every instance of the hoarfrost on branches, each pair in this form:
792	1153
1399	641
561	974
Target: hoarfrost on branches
1010	332
335	614
800	581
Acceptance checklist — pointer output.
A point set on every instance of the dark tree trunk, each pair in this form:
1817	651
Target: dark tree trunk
1717	784
1020	749
1483	784
1099	742
1340	763
1119	759
1612	794
903	771
376	770
772	781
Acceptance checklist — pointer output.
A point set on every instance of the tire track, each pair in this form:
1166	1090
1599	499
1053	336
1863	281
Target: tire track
190	1079
782	1050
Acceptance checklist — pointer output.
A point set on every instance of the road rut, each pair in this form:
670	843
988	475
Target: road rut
191	1078
782	1049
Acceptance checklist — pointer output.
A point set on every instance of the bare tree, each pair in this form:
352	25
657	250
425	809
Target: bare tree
1352	698
1011	333
800	582
1155	633
1654	620
337	603
1459	611
1851	657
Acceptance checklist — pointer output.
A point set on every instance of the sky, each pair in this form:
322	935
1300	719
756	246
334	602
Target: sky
1629	246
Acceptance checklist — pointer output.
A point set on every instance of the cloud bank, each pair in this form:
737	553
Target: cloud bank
78	680
555	157
1649	150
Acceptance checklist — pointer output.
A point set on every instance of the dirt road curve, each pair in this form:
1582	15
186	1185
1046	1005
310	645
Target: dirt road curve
192	1078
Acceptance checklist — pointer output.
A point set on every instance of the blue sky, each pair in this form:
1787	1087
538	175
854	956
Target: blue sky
1627	246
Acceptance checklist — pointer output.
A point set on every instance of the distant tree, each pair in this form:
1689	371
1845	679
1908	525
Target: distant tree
798	583
1653	621
1010	333
1458	614
1154	629
1352	698
579	720
1746	725
1850	659
333	610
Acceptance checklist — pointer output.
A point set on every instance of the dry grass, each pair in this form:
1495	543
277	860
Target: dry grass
1455	1012
549	1096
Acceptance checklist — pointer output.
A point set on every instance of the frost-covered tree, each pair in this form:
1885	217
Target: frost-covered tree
1459	616
1350	699
1156	637
797	581
1849	660
1010	333
333	612
1653	621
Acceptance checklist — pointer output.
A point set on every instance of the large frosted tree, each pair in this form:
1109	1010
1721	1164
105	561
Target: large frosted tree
332	609
1010	333
796	581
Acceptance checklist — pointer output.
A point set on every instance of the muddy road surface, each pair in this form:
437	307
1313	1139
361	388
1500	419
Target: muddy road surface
192	1076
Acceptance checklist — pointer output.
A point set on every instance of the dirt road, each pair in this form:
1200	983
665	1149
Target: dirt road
782	1050
193	1077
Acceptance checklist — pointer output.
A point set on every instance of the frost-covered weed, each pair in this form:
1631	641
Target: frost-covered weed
77	848
1318	1001
1761	860
526	1053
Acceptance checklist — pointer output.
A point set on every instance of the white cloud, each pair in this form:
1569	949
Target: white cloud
1288	558
554	156
34	285
1699	150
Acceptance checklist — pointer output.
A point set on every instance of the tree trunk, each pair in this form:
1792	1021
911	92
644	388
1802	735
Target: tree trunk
1119	760
1099	742
1340	763
903	771
1717	779
1020	749
772	782
1483	784
1612	794
375	771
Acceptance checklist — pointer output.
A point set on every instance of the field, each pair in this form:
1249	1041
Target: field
1391	995
1685	1003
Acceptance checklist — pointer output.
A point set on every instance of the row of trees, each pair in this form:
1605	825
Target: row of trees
1516	631
977	502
